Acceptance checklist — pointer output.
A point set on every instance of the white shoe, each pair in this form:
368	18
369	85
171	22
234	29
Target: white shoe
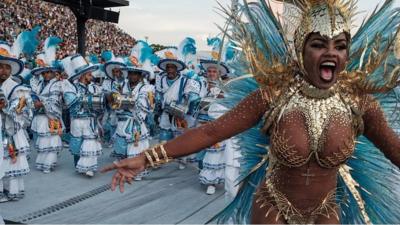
138	178
90	173
182	166
47	171
4	199
210	190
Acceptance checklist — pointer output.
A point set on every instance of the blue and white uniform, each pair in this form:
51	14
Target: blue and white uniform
180	90
47	123
110	120
132	135
15	138
213	169
84	133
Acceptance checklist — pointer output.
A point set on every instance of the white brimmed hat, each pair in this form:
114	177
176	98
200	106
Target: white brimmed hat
6	57
43	66
116	63
222	67
170	56
75	66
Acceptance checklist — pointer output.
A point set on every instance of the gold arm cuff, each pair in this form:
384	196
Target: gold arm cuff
149	158
164	153
153	151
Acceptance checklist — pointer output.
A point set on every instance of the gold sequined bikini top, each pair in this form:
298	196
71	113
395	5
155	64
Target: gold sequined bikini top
319	108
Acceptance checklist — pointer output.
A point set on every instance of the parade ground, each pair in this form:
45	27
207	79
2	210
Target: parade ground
168	195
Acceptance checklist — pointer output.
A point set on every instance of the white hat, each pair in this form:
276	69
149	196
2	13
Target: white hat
7	58
222	67
170	56
44	66
116	62
75	66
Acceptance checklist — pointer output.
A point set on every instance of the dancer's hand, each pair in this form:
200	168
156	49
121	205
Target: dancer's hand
2	103
38	104
126	170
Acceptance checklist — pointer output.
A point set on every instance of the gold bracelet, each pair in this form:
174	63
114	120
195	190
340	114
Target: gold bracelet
149	158
153	151
164	153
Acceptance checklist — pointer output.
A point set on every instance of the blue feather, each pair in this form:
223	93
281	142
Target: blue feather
230	51
383	23
53	41
50	48
93	59
28	41
146	53
155	59
188	46
31	41
381	179
58	64
107	55
215	41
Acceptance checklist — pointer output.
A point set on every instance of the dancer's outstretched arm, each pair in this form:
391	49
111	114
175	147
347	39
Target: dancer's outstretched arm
244	116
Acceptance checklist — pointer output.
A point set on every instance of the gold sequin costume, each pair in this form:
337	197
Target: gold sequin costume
319	108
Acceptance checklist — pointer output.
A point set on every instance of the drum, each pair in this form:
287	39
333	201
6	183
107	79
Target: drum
177	110
94	102
119	101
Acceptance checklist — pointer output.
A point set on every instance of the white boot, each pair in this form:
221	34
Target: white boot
182	166
90	173
210	190
4	199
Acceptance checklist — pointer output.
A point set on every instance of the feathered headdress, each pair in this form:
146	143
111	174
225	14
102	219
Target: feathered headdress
46	61
142	59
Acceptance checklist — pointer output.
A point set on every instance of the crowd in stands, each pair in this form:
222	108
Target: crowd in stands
57	20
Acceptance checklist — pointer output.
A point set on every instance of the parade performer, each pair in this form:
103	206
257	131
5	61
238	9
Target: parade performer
116	79
84	143
47	96
3	104
132	135
179	97
96	87
16	116
213	164
314	105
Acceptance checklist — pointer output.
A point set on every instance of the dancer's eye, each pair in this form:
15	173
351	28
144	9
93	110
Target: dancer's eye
317	45
341	47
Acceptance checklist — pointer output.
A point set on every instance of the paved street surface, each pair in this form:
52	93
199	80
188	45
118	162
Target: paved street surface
167	195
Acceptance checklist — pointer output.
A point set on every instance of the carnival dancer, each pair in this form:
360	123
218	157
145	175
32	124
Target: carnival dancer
315	100
179	98
84	143
47	123
16	118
